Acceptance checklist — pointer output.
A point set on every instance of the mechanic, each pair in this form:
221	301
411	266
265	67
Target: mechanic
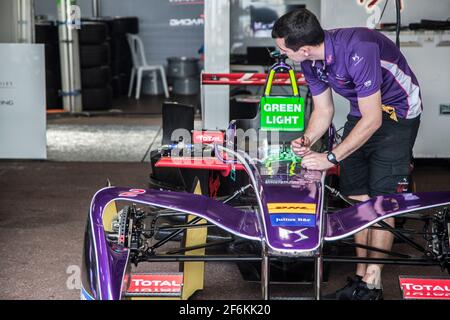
375	155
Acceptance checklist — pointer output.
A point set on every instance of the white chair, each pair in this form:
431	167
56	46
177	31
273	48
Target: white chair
140	66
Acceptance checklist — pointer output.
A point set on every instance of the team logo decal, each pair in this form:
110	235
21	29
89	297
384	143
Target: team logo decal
286	234
132	193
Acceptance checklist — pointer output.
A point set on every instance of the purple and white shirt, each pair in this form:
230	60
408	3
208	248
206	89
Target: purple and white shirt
358	63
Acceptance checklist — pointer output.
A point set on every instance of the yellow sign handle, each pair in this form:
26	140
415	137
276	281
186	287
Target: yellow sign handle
291	77
269	82
293	82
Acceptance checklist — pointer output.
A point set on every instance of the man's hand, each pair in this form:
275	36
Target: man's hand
301	146
316	161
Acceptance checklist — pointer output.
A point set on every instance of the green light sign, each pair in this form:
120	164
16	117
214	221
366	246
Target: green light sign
282	113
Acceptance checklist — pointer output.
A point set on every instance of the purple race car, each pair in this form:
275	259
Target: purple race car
278	214
285	214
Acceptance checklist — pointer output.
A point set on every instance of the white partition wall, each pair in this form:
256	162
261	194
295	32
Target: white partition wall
22	102
215	104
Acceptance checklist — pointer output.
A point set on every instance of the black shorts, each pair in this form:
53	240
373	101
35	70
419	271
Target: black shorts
382	164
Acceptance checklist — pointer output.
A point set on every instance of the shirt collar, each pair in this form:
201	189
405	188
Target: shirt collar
329	48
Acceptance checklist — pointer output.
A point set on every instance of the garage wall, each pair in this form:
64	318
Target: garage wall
240	22
347	13
167	27
7	21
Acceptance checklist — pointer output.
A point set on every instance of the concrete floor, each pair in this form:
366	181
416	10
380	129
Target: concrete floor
43	209
102	138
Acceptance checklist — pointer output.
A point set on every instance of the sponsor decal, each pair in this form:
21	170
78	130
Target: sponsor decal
321	75
402	186
132	193
156	283
187	22
4	84
6	102
281	207
368	83
357	59
186	2
74	18
289	234
205	137
425	288
330	58
298	220
276	181
369	4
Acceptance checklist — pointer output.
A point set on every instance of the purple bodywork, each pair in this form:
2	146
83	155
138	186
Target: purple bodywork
348	221
305	187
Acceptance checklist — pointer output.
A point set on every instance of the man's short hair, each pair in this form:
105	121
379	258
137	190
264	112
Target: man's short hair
298	28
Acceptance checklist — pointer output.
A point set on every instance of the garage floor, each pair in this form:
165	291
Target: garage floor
43	208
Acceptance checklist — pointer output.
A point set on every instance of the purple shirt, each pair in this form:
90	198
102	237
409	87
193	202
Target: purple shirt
358	63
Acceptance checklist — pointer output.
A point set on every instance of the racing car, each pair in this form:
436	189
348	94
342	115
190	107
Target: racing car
279	213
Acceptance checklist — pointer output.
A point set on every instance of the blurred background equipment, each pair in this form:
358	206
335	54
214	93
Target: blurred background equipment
119	54
140	66
46	32
95	57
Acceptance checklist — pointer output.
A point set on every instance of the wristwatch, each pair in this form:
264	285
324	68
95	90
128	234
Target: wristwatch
332	158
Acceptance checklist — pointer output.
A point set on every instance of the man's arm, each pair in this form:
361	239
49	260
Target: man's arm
321	116
371	111
319	121
370	108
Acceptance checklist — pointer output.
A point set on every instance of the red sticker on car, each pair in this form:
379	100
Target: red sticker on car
202	137
425	288
132	193
155	283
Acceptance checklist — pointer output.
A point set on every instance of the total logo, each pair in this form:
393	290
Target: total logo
207	137
152	283
417	288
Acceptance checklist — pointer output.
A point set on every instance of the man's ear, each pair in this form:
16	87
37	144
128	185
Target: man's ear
306	50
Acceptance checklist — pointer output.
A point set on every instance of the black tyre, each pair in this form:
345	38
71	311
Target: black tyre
52	60
94	55
54	101
120	49
120	84
52	79
93	32
119	26
124	25
98	77
46	32
124	79
116	85
97	99
121	66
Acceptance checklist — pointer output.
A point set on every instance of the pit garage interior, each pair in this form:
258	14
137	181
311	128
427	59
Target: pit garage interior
77	115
